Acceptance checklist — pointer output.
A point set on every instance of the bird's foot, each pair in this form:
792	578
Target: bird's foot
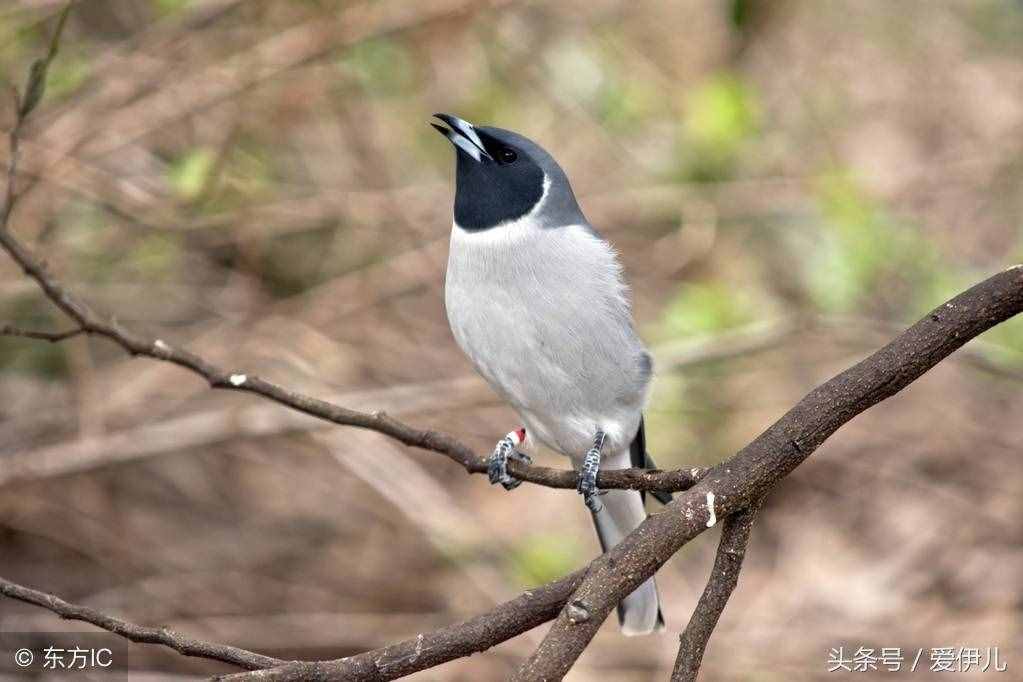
497	467
587	485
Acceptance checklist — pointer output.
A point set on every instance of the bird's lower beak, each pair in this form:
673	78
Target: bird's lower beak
463	135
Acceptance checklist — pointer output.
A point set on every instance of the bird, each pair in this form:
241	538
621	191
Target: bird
536	299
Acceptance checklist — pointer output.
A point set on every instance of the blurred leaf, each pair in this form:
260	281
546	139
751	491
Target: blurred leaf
168	7
867	256
544	557
700	309
37	73
721	115
66	75
722	112
189	173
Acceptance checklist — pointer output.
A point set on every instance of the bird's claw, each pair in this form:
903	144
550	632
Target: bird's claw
497	467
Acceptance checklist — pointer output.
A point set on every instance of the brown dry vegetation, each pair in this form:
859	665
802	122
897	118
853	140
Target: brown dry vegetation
256	181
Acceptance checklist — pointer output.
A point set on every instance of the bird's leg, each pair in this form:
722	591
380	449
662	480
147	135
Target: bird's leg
497	466
587	485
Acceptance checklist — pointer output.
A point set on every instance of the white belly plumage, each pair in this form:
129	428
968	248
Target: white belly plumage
542	314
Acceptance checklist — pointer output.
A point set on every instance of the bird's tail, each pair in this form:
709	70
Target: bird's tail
640	612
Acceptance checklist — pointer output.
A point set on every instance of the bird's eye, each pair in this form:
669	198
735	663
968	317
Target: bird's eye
507	155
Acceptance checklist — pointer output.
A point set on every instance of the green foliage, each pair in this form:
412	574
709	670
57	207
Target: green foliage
722	115
705	308
170	7
190	172
867	254
66	75
540	558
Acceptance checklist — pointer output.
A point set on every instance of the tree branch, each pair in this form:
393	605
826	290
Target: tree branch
724	576
754	470
479	633
138	633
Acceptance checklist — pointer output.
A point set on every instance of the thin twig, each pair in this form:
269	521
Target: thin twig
139	633
52	337
735	533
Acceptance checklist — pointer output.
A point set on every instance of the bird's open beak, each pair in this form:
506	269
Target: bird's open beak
462	135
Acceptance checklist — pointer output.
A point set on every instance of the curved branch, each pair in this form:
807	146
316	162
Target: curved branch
52	337
724	576
530	609
754	470
139	633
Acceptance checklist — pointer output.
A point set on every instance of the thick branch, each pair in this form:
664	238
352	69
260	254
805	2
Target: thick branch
723	578
138	633
756	468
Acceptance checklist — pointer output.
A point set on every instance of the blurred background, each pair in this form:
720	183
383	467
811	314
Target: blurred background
789	184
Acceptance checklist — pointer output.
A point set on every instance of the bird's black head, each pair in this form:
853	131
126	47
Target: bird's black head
501	176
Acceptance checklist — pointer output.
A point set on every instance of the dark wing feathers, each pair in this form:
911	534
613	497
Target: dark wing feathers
640	459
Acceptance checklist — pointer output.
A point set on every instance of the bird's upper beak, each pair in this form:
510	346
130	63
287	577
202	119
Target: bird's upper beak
463	135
